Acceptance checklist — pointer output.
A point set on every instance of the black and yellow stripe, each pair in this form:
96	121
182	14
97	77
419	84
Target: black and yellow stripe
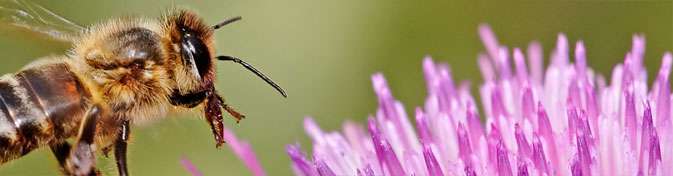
39	106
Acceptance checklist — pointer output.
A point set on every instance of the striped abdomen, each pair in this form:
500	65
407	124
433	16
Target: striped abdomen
39	106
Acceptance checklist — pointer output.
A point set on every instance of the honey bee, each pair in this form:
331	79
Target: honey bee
117	73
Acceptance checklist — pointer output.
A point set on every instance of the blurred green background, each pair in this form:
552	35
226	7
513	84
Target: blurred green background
323	53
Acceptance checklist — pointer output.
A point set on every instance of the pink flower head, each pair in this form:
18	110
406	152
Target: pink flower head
565	120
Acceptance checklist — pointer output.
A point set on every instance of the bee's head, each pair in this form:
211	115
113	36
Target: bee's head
191	49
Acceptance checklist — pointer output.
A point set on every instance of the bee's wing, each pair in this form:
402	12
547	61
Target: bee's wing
33	17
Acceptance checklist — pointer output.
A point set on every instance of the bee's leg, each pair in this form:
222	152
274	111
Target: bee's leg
237	115
82	159
61	151
120	148
213	112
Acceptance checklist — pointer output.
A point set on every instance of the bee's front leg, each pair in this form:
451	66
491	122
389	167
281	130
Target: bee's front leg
81	159
61	150
120	148
213	110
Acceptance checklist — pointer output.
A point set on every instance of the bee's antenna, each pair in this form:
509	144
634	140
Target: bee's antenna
227	21
255	71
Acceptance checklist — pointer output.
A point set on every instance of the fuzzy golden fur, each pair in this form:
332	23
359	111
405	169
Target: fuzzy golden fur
138	92
120	72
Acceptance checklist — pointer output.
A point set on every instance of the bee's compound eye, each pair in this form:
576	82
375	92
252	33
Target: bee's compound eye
195	53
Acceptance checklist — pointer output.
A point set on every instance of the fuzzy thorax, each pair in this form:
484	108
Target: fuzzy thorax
135	63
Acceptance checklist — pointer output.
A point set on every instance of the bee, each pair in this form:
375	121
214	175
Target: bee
117	73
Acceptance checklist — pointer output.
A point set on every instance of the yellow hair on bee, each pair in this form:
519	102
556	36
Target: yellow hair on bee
140	91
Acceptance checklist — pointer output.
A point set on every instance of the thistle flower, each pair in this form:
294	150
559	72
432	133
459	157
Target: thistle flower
567	120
